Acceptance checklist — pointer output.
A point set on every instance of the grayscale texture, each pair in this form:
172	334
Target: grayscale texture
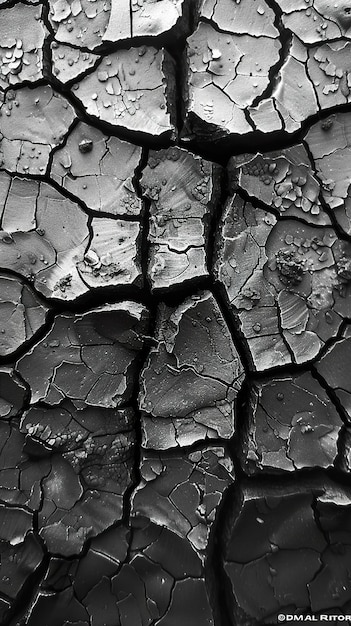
175	308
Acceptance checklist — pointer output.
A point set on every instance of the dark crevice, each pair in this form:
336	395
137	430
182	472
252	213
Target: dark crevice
216	145
332	396
285	38
214	572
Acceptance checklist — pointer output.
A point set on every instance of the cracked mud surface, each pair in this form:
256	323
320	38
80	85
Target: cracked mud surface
175	308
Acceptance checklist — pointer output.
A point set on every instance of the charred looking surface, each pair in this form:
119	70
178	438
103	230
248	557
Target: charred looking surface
175	306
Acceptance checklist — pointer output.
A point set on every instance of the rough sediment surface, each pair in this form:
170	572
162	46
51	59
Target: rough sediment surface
175	307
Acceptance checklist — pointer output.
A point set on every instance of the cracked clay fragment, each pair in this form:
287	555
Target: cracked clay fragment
286	282
317	20
22	34
292	424
113	256
33	122
132	89
21	553
81	23
98	170
20	558
90	24
69	64
284	180
293	94
149	576
226	73
330	71
50	243
176	505
191	378
80	589
241	80
330	144
145	18
183	191
247	17
333	367
287	549
22	314
89	358
182	492
91	451
12	393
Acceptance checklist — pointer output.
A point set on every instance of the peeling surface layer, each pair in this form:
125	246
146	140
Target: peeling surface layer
22	35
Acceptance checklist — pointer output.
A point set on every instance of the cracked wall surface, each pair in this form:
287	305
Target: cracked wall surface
175	312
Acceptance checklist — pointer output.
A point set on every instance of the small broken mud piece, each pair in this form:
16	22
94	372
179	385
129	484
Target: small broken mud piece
182	492
286	550
91	452
33	122
98	170
292	424
80	23
183	191
333	367
191	378
90	358
91	25
12	393
22	34
22	314
318	20
285	282
222	77
70	64
330	144
113	256
284	180
50	243
329	69
133	90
